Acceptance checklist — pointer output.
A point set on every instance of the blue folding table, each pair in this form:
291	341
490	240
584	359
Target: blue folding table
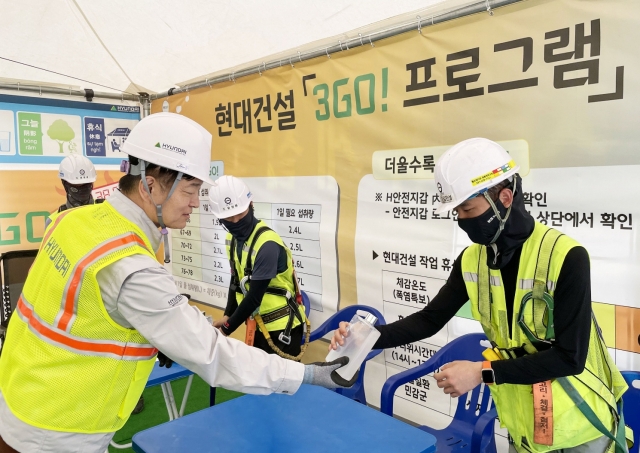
163	376
313	420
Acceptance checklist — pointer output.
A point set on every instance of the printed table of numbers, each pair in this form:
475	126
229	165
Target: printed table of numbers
199	258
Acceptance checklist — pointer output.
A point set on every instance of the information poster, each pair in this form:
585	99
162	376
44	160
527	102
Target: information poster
45	131
302	210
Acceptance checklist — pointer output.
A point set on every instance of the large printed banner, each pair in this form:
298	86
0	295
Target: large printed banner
44	131
354	137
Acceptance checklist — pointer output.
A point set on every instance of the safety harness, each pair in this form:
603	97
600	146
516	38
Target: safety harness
544	301
294	301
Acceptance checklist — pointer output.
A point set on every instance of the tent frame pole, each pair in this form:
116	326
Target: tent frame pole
146	105
87	94
483	6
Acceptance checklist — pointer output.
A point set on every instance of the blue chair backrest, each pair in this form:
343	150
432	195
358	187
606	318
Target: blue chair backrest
306	303
346	314
466	347
631	400
357	391
469	409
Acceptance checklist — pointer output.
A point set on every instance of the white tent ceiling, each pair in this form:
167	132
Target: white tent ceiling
153	45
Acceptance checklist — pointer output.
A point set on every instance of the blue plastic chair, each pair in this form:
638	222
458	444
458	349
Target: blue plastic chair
467	432
631	400
306	303
356	392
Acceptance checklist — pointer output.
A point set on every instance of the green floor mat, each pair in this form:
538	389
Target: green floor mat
155	409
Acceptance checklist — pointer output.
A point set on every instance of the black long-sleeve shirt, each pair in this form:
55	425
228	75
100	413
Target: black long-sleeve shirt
572	319
270	260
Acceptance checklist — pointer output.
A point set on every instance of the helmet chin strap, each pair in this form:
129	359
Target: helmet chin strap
163	227
503	221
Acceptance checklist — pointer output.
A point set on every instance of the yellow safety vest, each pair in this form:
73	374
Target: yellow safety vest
270	302
601	385
66	365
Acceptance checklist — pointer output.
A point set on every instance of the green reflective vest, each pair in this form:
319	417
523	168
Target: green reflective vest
66	365
600	384
270	302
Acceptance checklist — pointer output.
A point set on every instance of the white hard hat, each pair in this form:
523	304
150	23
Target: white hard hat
469	168
77	169
229	196
172	141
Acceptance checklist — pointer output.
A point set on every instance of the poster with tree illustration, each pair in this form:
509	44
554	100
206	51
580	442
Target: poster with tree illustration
47	134
61	132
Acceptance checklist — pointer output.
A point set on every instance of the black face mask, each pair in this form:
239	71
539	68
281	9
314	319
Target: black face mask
517	229
78	195
483	229
243	228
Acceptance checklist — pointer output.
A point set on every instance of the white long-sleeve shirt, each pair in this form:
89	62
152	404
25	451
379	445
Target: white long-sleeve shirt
138	292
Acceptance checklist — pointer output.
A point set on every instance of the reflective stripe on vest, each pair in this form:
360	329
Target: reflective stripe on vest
66	316
62	339
470	277
473	277
528	284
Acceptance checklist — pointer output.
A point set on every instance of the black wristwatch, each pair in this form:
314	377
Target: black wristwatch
488	376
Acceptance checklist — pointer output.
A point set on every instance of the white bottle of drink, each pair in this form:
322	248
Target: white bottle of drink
362	336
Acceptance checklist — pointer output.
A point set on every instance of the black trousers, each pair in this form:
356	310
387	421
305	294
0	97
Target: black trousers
293	348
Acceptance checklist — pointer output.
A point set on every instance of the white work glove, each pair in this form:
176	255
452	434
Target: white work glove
324	374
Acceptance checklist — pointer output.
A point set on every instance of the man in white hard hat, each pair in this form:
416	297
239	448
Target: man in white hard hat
263	288
97	306
551	377
78	175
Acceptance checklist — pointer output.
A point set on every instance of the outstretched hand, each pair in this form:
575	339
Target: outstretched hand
339	335
459	377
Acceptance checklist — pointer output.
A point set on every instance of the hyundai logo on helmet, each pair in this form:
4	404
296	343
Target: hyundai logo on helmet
82	172
227	200
171	148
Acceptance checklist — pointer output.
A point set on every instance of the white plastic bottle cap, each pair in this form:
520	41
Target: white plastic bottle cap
371	319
